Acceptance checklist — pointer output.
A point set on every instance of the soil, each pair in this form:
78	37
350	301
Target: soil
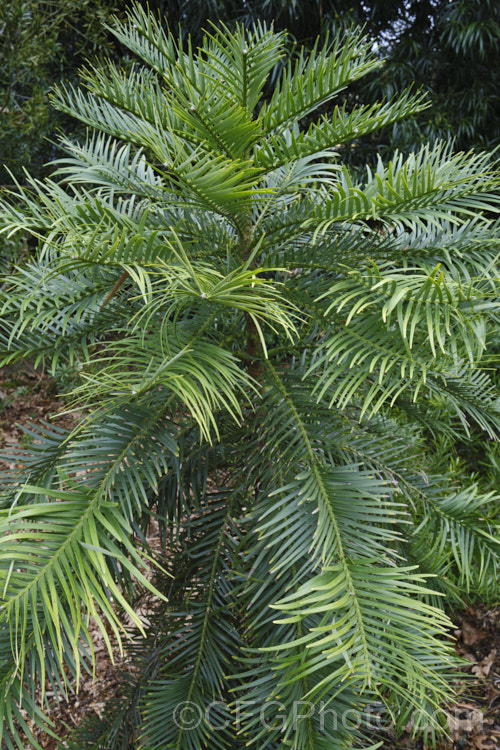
474	721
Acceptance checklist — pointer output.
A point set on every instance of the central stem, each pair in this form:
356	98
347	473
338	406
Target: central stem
253	347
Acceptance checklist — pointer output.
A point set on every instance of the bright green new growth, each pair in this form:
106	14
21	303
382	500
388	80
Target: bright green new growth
266	343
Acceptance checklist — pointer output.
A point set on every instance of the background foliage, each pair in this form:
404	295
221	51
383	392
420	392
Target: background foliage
42	42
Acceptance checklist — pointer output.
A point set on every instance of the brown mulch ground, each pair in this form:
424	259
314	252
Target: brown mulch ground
474	720
27	396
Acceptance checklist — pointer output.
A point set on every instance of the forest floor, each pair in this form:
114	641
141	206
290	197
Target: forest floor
474	721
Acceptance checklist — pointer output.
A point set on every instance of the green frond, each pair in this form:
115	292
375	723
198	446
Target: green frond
144	35
63	551
56	317
36	463
460	528
17	701
89	110
324	137
473	398
117	728
142	439
105	162
336	553
315	78
243	61
422	190
198	374
196	658
470	249
429	301
54	565
369	357
22	708
377	599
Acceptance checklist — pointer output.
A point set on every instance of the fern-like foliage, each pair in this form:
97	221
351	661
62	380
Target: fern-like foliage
267	350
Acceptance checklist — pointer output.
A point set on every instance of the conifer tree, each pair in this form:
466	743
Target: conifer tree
262	342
